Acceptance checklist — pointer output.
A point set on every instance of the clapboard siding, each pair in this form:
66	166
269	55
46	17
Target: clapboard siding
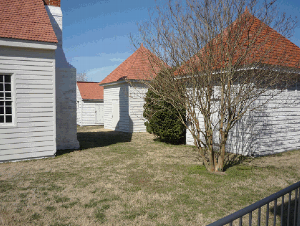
28	73
136	106
116	95
24	135
35	82
128	100
34	105
78	106
33	86
33	110
31	139
33	134
27	63
34	114
25	68
35	100
35	119
31	95
271	129
35	153
108	97
86	110
36	91
88	116
29	129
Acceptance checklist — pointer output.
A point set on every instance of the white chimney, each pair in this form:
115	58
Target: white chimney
55	14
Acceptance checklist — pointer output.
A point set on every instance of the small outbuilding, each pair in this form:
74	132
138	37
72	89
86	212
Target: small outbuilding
90	104
124	92
274	126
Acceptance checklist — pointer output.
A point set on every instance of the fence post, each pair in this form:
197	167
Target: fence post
298	217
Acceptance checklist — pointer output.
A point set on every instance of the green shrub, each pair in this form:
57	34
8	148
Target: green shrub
163	120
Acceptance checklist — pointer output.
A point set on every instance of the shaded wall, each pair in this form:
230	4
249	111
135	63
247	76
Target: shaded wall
270	129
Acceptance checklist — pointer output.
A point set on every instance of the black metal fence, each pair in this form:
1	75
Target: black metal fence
288	212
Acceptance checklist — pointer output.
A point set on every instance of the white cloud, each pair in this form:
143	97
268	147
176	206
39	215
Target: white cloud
98	74
117	60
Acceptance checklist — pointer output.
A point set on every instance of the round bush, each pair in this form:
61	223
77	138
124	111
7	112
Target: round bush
163	120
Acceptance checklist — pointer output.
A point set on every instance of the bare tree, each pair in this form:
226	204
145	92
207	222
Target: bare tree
227	57
81	77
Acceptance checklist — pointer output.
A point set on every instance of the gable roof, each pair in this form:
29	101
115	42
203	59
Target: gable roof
270	47
90	90
26	20
141	65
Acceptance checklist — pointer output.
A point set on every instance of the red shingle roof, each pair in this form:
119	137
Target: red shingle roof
52	2
90	90
270	47
141	65
26	20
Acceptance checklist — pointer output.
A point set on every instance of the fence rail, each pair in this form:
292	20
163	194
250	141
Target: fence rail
292	216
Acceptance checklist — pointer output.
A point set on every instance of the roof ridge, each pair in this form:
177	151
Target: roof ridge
135	54
134	67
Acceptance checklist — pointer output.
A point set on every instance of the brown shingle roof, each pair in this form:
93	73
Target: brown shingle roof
90	90
141	65
26	20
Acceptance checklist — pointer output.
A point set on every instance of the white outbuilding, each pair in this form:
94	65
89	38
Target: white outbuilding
274	127
90	106
37	84
124	92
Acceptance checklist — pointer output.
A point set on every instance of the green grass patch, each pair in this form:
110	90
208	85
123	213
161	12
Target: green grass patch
50	208
132	214
35	216
133	180
100	213
5	186
59	199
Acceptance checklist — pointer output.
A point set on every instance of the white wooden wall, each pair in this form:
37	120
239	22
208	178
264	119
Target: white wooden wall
272	129
34	132
123	107
87	111
116	108
66	129
136	106
65	88
78	106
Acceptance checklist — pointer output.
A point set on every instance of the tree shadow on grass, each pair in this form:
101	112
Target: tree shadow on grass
98	139
233	160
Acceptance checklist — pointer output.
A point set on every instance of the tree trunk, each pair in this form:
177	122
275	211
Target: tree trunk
220	166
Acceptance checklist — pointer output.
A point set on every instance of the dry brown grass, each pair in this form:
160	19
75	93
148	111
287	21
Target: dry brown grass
119	179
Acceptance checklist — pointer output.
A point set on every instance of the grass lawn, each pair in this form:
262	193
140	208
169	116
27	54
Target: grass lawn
119	179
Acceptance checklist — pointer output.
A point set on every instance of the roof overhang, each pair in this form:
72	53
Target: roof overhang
124	81
277	69
99	100
27	44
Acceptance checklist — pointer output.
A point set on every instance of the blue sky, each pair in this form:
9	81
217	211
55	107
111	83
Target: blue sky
96	32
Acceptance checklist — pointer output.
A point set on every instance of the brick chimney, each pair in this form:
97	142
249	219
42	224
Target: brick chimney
52	2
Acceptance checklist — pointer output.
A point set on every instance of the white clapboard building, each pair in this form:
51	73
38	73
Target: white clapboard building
90	106
125	89
274	127
37	84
